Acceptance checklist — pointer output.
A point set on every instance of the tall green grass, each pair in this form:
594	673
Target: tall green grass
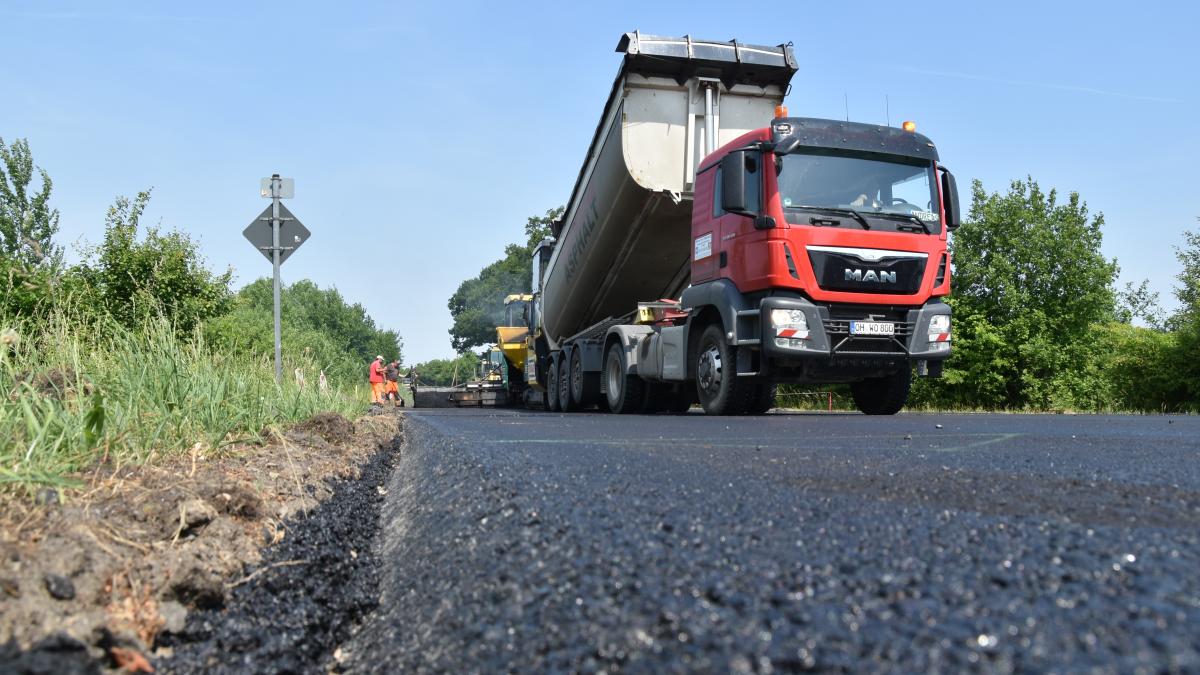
76	390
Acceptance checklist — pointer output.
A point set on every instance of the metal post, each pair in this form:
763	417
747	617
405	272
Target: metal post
275	186
710	127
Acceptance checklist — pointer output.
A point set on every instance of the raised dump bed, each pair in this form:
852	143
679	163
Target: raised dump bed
625	235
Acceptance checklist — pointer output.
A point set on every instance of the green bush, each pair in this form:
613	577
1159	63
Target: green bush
136	280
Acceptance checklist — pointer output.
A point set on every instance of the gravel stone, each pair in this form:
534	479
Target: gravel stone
59	587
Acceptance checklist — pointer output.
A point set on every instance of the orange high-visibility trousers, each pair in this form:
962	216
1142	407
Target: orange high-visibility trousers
377	392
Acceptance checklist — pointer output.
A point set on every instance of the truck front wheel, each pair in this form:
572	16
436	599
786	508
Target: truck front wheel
717	384
626	393
883	395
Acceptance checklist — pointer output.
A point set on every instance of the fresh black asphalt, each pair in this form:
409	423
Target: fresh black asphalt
537	542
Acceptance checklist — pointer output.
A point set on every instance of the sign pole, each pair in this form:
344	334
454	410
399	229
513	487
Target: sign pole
275	264
268	233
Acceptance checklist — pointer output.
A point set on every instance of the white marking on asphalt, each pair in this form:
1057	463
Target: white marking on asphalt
982	441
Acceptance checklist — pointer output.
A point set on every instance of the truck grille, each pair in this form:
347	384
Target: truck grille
842	270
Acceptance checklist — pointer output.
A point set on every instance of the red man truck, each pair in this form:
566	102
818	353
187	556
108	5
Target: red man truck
714	247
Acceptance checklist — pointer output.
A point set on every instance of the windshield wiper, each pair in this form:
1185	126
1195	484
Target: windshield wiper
905	216
845	212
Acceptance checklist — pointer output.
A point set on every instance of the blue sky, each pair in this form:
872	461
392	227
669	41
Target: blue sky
421	136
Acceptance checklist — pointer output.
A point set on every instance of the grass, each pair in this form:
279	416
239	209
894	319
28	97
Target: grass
73	392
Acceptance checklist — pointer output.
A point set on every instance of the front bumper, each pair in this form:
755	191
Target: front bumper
829	332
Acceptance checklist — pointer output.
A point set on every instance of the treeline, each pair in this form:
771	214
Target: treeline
141	348
446	372
477	305
1039	323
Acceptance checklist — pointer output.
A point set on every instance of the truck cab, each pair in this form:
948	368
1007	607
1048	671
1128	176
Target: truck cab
820	245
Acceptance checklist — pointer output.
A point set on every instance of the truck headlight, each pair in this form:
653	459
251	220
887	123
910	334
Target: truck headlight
791	327
939	328
791	318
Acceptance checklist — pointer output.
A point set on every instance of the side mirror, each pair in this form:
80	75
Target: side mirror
950	200
733	182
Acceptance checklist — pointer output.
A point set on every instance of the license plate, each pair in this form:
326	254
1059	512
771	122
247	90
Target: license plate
872	328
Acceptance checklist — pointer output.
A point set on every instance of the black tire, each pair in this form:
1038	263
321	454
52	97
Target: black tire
680	400
718	387
626	393
584	386
883	395
552	385
565	404
763	399
655	398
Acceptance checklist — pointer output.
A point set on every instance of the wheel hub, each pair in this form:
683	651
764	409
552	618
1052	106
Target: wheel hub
708	371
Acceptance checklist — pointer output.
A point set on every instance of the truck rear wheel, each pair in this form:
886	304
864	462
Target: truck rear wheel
717	384
655	397
584	385
883	395
565	403
680	400
552	385
626	393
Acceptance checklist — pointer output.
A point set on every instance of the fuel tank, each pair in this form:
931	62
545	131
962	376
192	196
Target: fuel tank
625	235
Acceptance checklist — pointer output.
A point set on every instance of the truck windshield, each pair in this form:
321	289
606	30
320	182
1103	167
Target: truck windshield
893	192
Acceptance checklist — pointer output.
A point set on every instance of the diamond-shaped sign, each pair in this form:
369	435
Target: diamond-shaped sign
292	233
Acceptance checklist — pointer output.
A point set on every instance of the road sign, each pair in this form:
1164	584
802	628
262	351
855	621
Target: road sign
287	188
292	233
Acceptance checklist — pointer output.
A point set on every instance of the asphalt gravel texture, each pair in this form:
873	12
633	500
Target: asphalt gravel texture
304	598
537	542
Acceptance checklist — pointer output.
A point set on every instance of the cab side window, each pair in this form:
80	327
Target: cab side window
753	186
753	183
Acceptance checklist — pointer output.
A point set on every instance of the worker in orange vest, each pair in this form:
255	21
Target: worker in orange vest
375	376
391	392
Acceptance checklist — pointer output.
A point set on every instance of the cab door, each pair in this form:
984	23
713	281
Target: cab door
735	228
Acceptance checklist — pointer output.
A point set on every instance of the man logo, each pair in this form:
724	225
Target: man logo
880	277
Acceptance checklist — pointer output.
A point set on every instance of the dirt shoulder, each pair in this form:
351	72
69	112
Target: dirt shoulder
103	574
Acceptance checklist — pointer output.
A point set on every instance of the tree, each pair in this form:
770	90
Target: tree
27	223
1139	302
477	306
1184	361
304	304
161	273
1030	285
319	329
1188	290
